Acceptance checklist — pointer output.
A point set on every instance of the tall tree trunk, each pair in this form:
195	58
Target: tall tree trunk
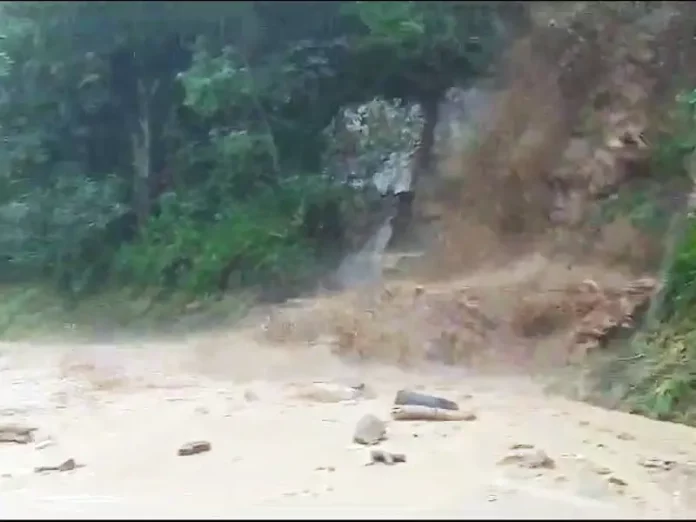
142	152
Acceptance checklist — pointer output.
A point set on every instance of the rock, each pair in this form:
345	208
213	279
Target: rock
601	470
363	391
370	430
522	446
193	448
16	433
530	459
250	396
44	444
411	398
658	464
616	481
330	392
385	457
425	413
67	465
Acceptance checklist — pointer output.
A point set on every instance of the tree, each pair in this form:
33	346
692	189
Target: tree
421	49
170	126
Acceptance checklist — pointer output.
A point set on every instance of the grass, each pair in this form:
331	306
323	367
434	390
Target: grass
653	374
38	313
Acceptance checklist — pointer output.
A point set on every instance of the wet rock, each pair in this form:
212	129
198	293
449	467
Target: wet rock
250	396
616	481
658	464
522	446
425	413
67	465
44	444
530	459
193	448
330	392
363	391
370	430
385	457
411	398
17	433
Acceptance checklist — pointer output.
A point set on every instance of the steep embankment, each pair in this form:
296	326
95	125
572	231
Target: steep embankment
532	251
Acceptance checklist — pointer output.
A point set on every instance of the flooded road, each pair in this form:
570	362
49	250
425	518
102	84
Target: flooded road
278	450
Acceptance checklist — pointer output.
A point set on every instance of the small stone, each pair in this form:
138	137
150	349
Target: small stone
600	470
329	392
363	391
625	436
536	459
67	465
370	430
385	457
193	448
661	464
616	481
44	444
250	396
522	445
17	433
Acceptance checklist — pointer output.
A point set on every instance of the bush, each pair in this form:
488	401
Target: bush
658	377
272	239
60	231
679	294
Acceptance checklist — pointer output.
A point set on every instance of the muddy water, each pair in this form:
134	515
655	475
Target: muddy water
123	411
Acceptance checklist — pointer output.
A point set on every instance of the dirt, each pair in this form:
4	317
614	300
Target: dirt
534	310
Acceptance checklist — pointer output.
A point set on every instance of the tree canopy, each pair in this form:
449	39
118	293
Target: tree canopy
181	144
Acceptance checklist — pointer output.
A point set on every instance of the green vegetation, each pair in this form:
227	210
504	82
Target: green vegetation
167	148
655	373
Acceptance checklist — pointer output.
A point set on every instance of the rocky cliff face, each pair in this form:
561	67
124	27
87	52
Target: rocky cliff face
578	102
569	123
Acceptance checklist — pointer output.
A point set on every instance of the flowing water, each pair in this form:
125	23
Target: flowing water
279	450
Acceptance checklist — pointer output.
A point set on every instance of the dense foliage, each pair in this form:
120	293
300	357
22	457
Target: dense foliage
656	375
184	145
